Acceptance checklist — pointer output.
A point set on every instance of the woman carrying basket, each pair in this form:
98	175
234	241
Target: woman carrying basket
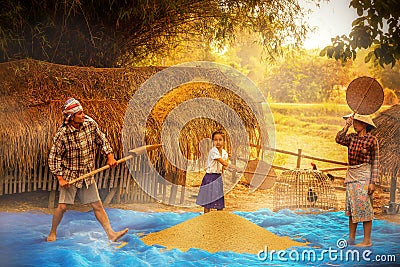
362	174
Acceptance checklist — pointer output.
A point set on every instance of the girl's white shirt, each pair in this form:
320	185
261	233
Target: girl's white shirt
213	166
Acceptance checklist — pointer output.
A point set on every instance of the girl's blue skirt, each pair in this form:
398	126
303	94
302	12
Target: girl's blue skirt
211	194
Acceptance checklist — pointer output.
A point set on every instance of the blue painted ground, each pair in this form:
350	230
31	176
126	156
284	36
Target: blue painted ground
81	241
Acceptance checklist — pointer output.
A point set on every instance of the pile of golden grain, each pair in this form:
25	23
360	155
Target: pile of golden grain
219	231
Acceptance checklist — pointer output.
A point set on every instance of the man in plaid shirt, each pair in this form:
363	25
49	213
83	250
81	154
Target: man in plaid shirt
362	174
73	155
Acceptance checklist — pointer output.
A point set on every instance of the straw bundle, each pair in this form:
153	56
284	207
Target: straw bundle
219	231
200	128
388	134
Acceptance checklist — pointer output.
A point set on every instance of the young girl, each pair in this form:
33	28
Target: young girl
362	174
211	194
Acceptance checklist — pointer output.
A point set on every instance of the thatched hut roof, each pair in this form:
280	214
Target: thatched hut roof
388	134
33	92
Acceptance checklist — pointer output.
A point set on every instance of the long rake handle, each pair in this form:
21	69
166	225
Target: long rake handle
135	152
105	167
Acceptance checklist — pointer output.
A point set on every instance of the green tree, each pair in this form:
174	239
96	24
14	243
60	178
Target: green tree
377	26
389	77
305	77
108	33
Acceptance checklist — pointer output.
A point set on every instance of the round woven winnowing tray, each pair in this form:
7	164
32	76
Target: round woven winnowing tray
364	95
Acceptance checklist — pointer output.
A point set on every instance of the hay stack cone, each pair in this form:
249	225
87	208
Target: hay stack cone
219	231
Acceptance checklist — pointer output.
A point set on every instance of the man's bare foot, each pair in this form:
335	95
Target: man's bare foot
364	244
114	236
51	237
351	241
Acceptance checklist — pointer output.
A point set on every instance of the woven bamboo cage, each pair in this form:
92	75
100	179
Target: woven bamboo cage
304	189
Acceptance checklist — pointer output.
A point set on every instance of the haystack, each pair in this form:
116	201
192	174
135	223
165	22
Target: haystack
219	231
388	135
33	92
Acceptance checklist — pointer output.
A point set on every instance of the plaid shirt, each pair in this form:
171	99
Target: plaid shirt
361	150
74	150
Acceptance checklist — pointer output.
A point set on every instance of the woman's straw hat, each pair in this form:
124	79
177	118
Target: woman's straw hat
364	118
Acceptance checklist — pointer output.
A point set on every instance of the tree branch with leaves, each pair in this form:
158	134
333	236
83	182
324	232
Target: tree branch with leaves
377	26
108	33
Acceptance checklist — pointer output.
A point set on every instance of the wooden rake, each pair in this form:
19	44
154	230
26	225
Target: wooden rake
133	153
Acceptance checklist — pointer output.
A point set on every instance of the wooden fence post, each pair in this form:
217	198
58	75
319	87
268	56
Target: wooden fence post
298	158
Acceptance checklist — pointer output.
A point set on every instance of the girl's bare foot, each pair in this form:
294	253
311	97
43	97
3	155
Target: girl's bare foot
51	237
114	236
